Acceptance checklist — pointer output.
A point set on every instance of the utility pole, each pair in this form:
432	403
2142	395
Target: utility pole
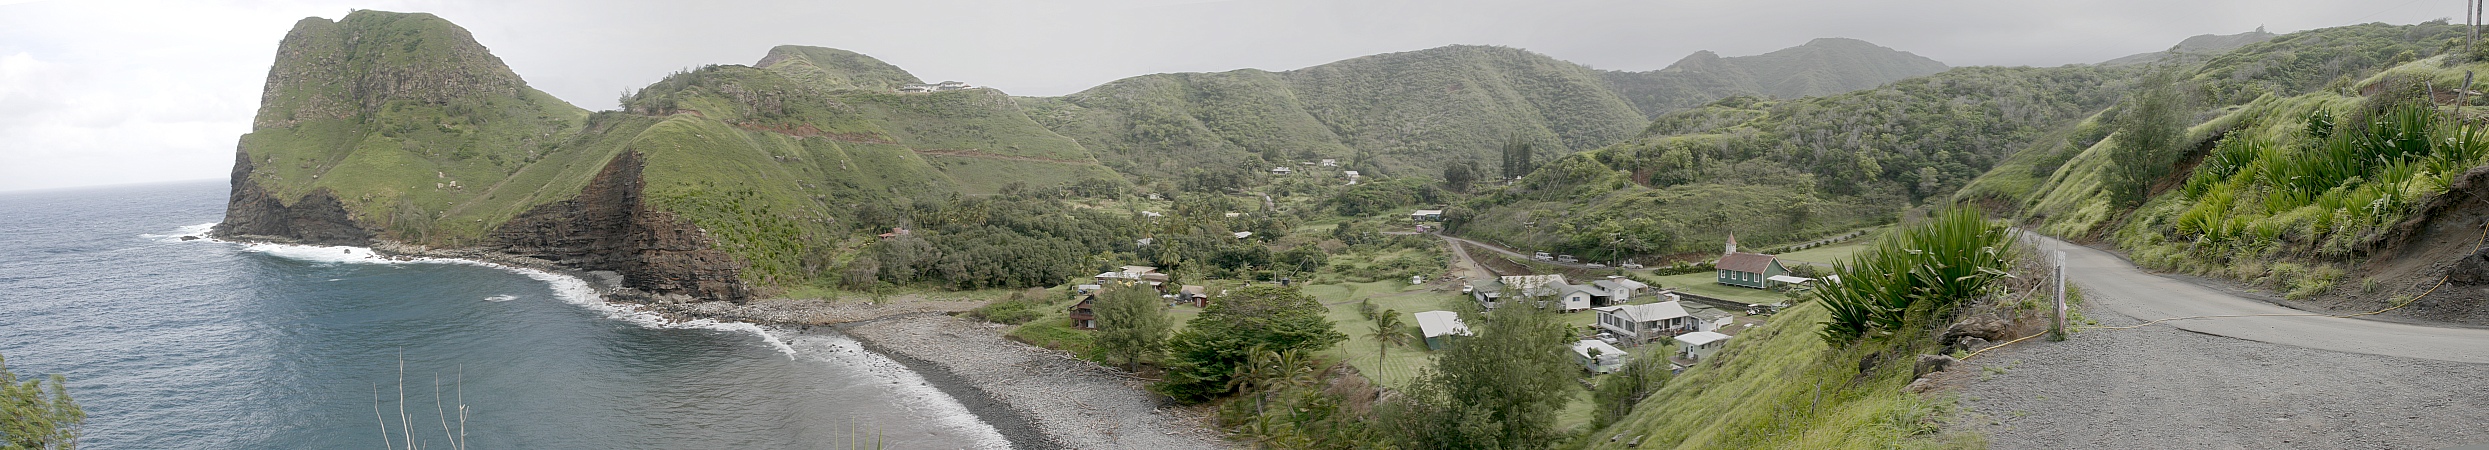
2057	330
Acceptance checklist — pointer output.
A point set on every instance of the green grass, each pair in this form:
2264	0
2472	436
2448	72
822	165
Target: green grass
1762	392
1404	362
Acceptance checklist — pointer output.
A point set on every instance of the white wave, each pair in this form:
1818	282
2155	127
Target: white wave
907	389
569	289
195	231
501	298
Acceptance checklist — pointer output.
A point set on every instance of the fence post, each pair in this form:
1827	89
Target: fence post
2057	329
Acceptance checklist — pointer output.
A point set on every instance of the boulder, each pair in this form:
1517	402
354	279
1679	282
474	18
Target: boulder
1971	343
1920	386
1933	363
2473	269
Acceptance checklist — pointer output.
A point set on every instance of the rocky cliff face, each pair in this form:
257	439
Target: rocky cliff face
369	125
608	227
314	219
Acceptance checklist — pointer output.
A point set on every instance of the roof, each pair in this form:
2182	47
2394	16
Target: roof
1244	234
1700	338
1439	323
1746	262
1139	269
1427	212
1528	282
1647	312
1583	348
1194	289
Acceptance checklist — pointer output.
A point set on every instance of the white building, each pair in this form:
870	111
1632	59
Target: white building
1598	357
1700	344
1439	326
1640	324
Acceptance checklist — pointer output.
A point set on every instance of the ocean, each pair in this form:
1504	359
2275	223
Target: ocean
172	343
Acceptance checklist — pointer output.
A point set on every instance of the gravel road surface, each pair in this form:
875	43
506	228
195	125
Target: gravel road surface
2263	382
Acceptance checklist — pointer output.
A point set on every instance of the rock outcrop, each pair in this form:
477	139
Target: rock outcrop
608	227
316	218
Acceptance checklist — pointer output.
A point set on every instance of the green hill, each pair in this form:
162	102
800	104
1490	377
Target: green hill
2197	47
1784	171
1406	112
1821	67
399	127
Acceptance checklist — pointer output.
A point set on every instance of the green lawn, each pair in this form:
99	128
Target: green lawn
1403	362
1825	255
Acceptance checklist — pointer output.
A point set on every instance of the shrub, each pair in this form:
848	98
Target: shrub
1927	268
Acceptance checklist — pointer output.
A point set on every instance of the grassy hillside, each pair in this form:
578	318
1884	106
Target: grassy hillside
419	131
1407	112
1821	67
426	138
1777	172
2062	183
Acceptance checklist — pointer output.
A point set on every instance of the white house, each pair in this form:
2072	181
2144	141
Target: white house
1640	324
1618	290
1598	357
1700	344
1427	215
1439	326
1576	297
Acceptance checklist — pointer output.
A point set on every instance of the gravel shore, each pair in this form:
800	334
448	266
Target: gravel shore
2162	387
1070	403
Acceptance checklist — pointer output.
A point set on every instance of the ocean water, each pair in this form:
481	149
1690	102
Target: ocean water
205	344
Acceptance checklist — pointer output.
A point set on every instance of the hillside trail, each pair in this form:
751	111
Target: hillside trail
2257	376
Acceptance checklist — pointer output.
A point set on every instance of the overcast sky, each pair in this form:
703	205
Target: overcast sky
119	92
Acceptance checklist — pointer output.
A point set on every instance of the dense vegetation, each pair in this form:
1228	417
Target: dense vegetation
1204	357
1788	170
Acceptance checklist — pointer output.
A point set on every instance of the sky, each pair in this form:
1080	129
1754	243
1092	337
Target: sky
122	92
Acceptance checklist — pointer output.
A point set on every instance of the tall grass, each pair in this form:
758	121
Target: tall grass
2326	181
1920	274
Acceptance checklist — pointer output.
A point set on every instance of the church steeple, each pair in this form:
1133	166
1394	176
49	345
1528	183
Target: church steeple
1732	243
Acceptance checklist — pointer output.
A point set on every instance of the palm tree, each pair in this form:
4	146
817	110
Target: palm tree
1387	332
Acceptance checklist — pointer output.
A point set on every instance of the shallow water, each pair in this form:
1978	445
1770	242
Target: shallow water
205	344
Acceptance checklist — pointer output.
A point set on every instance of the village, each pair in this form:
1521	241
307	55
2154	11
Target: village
1622	312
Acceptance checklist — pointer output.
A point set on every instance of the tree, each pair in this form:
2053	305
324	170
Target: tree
1517	157
1499	389
2148	133
1265	318
1457	176
1387	333
33	416
1627	387
1132	325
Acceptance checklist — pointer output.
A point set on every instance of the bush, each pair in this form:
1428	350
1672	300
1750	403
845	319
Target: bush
1918	275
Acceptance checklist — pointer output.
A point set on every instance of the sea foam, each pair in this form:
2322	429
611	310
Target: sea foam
568	289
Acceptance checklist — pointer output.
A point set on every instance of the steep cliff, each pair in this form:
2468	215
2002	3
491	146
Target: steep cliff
401	128
608	227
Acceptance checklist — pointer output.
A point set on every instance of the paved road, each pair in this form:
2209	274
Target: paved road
2110	281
